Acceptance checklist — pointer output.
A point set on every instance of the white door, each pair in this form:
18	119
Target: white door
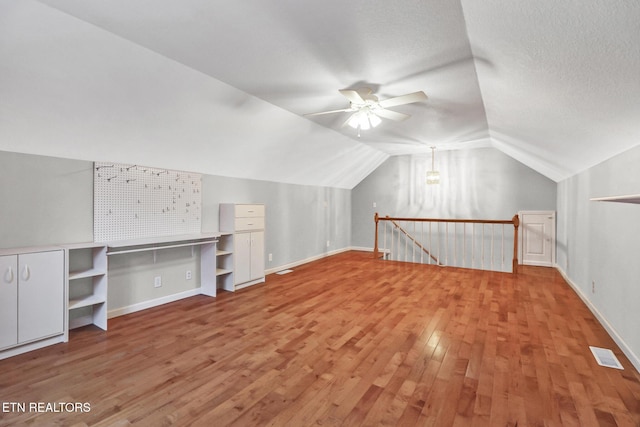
40	295
257	255
538	237
8	301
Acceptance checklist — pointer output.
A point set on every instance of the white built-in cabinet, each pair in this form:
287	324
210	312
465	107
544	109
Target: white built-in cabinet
87	285
32	302
247	223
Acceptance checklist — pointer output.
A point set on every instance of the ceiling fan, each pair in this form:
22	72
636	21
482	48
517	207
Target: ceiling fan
367	109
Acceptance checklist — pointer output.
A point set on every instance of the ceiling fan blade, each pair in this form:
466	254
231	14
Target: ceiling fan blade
391	115
404	99
328	112
353	96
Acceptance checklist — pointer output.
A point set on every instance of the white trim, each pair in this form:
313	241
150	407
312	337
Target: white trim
152	303
306	260
363	249
633	358
24	348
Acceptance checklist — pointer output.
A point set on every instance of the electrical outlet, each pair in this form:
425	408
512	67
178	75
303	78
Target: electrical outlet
157	281
593	286
188	275
375	204
270	257
328	243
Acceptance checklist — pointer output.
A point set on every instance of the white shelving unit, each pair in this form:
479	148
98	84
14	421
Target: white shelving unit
87	285
224	261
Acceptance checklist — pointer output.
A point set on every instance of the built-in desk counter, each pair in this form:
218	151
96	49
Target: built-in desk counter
206	241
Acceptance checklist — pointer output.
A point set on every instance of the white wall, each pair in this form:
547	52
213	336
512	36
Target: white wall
44	200
598	243
481	183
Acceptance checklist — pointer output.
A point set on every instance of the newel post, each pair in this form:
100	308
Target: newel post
516	224
375	241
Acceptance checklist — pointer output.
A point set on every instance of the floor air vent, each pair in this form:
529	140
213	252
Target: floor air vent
605	357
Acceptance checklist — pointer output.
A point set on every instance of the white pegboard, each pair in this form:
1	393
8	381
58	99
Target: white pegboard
132	201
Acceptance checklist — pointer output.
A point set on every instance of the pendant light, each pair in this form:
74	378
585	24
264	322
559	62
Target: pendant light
433	176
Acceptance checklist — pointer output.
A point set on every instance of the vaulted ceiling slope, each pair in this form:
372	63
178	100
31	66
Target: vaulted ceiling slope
221	87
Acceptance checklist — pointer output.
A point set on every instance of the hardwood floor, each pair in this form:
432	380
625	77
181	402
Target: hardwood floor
346	340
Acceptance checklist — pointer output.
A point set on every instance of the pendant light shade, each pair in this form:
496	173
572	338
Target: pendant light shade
433	176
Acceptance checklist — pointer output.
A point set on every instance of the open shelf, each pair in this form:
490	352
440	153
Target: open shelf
222	271
90	272
631	198
86	301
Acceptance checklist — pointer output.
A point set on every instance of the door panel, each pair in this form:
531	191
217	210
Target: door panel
242	258
257	255
40	295
538	238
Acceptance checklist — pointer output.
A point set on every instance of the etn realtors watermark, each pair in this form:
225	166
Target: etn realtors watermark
42	407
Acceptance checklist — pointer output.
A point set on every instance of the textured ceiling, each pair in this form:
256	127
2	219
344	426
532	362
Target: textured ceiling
553	83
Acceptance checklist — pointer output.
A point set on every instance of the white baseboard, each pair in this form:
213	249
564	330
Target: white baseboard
152	303
361	248
14	351
306	260
633	358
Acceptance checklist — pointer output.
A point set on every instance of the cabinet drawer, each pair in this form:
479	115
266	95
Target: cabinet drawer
256	223
249	211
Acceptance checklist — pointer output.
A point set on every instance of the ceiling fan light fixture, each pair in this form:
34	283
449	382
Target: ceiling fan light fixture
374	119
364	120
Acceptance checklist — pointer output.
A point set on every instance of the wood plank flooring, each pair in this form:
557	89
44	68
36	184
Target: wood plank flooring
347	340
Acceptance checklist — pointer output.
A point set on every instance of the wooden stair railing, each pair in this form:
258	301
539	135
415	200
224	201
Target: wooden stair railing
515	221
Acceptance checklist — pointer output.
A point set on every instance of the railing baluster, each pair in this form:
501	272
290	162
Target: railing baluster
473	245
438	237
482	250
455	246
430	242
446	243
464	244
406	242
413	255
386	256
492	233
502	250
421	241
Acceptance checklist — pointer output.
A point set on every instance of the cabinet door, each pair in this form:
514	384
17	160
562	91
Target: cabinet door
242	258
8	300
40	295
257	255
